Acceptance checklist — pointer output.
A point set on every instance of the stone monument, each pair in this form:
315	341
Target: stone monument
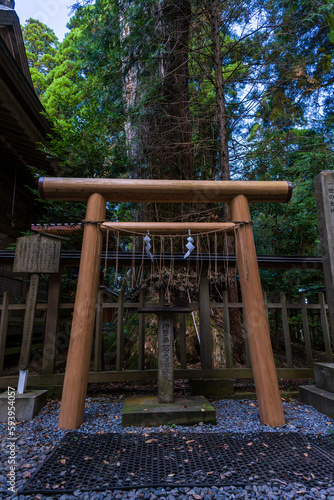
324	194
166	409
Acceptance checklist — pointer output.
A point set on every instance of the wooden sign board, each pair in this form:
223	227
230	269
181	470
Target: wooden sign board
37	253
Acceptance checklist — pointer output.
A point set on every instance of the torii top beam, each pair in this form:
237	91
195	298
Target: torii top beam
170	191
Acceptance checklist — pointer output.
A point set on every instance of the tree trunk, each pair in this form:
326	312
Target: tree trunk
215	15
175	131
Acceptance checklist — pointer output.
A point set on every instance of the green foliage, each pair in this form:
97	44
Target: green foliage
41	46
112	89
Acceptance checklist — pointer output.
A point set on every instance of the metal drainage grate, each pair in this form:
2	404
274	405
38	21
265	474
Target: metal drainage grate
324	443
108	461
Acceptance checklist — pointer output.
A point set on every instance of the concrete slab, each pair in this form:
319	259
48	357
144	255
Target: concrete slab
26	405
318	398
212	388
147	412
324	376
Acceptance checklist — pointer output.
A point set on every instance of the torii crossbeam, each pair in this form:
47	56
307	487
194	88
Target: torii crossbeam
97	192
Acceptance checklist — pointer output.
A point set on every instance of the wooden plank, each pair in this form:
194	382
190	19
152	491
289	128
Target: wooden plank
159	191
248	356
16	350
145	375
265	377
204	321
324	326
306	331
120	331
166	228
141	333
3	328
28	324
227	332
51	324
265	298
98	332
183	340
37	253
79	353
286	331
270	305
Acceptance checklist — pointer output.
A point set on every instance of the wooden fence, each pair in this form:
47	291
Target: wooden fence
51	310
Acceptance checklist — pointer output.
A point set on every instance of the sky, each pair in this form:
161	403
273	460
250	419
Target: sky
53	13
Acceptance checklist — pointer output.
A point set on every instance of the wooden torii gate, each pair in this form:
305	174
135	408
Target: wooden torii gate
97	192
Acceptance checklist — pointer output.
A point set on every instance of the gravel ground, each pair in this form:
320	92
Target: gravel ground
37	438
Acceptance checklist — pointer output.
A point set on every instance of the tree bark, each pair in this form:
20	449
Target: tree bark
215	15
175	131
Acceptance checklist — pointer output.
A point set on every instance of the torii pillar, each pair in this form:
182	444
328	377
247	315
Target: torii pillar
77	367
264	371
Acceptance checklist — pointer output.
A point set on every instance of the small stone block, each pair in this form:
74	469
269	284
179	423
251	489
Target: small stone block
324	376
26	405
147	412
212	388
318	398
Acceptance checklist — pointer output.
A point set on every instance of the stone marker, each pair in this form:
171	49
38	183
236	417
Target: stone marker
165	409
165	359
324	194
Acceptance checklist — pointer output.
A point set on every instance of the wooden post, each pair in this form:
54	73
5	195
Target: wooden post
286	331
204	321
248	357
141	335
265	298
306	331
324	326
3	328
120	331
98	332
28	324
79	352
265	378
227	333
51	324
183	341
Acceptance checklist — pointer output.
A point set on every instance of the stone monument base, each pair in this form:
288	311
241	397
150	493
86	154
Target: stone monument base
27	405
147	412
320	395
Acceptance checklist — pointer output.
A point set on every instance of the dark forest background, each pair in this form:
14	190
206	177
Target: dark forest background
195	89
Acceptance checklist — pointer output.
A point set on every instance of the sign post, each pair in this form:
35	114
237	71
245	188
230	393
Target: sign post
35	254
